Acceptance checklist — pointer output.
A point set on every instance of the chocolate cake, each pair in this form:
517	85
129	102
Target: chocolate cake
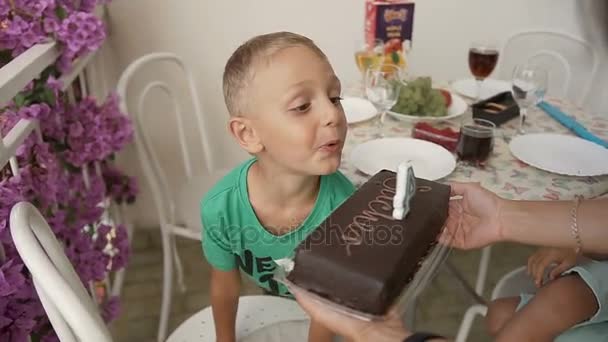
361	257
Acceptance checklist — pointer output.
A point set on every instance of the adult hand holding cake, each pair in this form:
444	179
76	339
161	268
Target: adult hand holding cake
389	330
473	220
480	218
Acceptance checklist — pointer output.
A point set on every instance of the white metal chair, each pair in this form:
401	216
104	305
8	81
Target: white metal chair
510	285
571	61
74	314
259	318
572	64
69	307
178	211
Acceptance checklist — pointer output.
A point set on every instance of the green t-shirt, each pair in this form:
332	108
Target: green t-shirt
233	236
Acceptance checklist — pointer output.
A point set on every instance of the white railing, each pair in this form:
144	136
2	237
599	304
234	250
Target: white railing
14	76
26	67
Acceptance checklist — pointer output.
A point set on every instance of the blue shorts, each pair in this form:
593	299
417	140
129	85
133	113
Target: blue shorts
595	274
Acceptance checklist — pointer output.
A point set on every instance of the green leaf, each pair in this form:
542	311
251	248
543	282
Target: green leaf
20	100
61	12
71	168
49	71
395	57
5	57
48	96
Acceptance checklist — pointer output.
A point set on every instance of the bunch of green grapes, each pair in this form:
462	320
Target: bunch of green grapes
419	98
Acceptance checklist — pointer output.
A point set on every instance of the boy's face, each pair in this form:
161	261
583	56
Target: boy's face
296	113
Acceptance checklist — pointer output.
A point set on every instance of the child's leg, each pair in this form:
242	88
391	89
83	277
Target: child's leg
557	306
500	312
319	333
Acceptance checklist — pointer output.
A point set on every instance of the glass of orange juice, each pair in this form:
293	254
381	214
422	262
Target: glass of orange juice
367	56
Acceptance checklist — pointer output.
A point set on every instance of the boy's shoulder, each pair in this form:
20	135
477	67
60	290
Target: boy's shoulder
339	182
226	188
338	188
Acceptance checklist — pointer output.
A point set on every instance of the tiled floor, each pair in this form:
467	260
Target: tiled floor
440	307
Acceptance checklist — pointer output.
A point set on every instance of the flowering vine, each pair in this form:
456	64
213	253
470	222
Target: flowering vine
76	135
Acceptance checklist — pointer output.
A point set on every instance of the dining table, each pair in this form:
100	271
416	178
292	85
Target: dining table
502	173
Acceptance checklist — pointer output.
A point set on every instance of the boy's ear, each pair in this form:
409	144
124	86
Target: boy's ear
245	134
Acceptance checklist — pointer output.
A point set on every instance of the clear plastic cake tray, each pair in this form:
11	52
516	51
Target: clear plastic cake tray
422	278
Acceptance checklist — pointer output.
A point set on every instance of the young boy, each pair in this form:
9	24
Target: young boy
566	308
284	102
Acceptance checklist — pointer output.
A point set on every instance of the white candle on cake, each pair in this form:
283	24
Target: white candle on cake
401	190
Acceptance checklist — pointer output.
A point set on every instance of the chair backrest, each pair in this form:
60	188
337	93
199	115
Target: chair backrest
155	175
514	283
72	312
571	61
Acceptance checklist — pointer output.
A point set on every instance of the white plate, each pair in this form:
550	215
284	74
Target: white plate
562	154
489	87
457	108
358	109
430	161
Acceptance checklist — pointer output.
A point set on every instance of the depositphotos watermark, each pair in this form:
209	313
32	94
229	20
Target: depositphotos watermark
328	234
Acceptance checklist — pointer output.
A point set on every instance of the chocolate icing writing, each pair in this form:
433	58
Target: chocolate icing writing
379	207
424	188
351	238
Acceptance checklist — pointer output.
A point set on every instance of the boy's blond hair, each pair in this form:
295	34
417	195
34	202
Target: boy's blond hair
240	68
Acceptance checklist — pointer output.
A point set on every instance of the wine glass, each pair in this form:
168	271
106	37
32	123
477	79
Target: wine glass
529	84
543	85
382	84
367	55
482	61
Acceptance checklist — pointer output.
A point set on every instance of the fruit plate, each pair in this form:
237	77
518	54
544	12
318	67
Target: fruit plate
457	108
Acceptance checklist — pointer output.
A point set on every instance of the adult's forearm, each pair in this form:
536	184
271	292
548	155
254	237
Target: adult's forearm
549	223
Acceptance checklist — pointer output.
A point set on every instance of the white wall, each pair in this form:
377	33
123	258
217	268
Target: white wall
206	32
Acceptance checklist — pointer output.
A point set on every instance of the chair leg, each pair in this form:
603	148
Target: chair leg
465	284
178	266
467	321
165	306
482	272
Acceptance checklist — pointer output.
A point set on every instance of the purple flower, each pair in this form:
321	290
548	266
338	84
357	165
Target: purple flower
11	278
81	33
111	309
74	135
50	337
76	130
122	247
121	187
50	25
34	111
18	34
98	131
